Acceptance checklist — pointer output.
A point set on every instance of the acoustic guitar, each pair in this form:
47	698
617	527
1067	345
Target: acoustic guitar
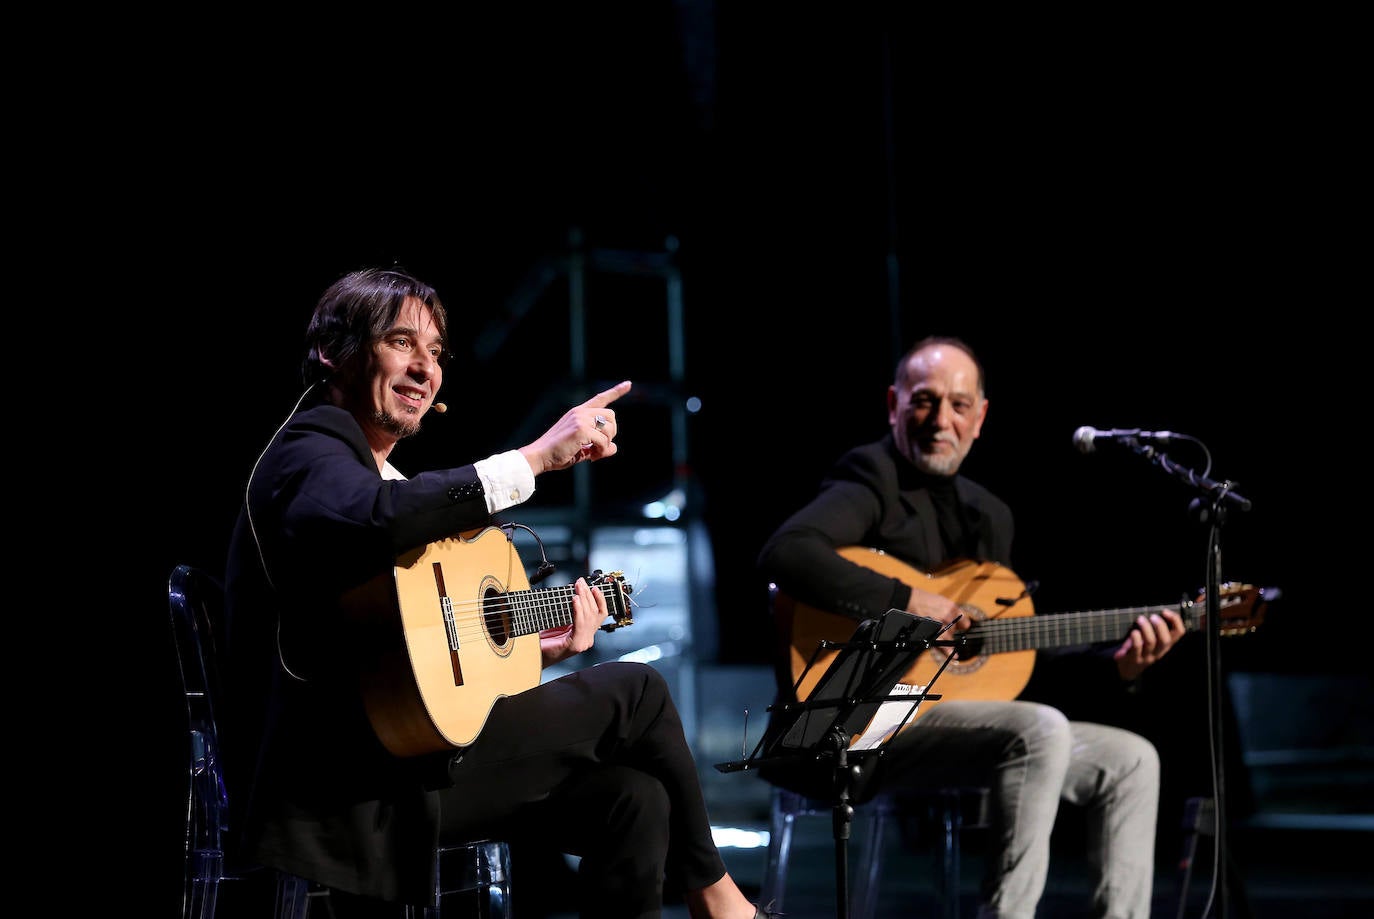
998	652
453	628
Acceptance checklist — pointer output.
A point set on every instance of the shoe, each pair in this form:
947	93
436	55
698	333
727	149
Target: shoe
766	912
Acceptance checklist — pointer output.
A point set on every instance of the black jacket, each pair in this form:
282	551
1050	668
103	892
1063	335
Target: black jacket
313	791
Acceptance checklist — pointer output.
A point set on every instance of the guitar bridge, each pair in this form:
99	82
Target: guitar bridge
450	627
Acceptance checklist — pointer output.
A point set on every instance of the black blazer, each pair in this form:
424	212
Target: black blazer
313	791
873	496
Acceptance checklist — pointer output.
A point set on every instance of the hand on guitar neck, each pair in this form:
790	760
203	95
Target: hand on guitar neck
1151	638
589	610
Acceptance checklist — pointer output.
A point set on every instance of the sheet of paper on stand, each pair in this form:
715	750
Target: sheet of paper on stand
889	716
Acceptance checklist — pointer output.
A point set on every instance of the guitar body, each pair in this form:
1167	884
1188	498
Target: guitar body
975	586
422	694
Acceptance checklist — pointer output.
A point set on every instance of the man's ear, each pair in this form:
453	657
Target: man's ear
982	416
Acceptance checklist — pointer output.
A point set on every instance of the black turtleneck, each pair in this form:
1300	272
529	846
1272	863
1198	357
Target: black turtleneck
960	540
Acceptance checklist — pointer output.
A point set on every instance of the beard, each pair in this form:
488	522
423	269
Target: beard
399	426
937	465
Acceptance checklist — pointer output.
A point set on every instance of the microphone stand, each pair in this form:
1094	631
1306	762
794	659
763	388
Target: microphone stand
1210	508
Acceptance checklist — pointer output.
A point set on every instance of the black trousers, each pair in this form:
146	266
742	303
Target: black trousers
594	763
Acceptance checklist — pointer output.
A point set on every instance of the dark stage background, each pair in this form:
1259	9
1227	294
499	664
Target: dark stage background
1121	253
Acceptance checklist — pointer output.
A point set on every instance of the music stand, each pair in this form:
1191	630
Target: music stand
850	698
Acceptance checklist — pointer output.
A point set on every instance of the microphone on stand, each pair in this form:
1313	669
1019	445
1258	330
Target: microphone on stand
1142	442
1086	437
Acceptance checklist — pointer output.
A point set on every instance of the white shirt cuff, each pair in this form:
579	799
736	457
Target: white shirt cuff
506	479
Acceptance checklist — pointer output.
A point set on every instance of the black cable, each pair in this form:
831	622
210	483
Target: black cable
546	567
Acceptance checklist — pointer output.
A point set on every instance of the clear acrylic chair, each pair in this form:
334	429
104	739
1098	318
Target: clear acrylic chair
948	810
195	599
475	874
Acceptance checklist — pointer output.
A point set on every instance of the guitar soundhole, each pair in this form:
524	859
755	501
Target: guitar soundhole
969	656
970	651
496	617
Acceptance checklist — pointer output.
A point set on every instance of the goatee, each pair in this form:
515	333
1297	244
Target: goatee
407	426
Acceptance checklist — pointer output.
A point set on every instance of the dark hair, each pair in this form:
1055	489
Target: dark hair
899	376
356	310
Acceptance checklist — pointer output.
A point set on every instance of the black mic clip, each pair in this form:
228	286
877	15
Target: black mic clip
1029	588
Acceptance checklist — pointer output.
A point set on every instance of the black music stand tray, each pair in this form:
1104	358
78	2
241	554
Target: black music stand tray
852	690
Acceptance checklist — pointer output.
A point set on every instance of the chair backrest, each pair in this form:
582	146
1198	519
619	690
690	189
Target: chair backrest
196	599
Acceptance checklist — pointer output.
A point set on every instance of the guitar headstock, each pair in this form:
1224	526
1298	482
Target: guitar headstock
1242	606
612	585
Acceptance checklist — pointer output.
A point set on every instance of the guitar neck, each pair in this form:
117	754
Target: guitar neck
535	610
1029	633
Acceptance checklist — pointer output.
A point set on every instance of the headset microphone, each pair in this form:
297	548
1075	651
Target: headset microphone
439	407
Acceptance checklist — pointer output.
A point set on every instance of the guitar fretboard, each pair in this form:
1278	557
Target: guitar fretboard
1035	632
535	610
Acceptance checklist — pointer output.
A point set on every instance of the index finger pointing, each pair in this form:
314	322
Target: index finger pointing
602	399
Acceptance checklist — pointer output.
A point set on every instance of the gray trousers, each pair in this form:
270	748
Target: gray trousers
1032	757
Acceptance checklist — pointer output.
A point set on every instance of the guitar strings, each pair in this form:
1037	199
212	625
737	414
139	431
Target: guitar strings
1078	628
481	616
1092	626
